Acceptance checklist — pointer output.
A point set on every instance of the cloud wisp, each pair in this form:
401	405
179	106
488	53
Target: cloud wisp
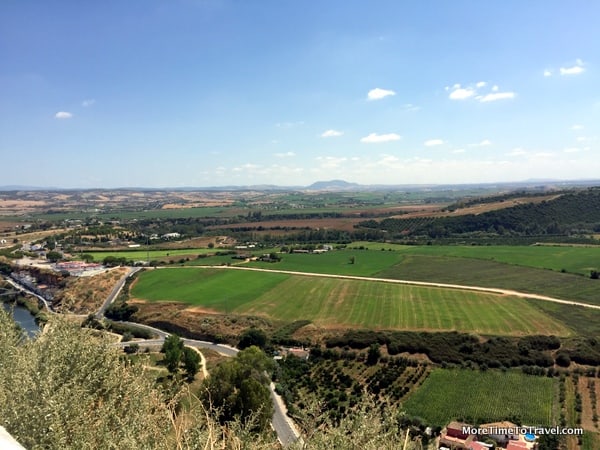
63	115
331	133
478	92
375	138
378	94
433	142
573	70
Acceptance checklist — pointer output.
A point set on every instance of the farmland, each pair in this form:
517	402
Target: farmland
142	255
479	397
343	303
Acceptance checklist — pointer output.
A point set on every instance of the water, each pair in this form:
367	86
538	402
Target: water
23	317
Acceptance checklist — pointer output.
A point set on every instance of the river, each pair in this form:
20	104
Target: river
23	317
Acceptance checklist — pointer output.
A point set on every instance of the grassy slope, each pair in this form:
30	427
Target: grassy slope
489	396
331	302
217	289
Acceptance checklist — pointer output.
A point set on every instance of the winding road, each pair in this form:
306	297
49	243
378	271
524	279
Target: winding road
283	426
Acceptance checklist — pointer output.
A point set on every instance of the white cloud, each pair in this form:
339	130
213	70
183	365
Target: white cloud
331	133
573	70
461	93
459	150
485	143
457	92
410	107
547	73
289	124
433	142
577	127
582	139
330	162
248	167
375	138
88	103
378	94
517	152
285	155
63	115
571	150
496	96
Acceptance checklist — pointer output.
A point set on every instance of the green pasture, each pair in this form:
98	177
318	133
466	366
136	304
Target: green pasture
423	264
332	302
142	255
490	396
338	262
487	273
575	259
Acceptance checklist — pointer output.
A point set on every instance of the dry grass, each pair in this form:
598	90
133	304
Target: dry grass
84	295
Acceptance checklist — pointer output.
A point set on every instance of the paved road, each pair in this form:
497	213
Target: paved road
115	291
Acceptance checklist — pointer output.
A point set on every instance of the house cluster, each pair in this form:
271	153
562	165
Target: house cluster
298	352
166	236
489	436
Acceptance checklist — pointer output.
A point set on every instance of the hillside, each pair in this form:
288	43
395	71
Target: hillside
572	213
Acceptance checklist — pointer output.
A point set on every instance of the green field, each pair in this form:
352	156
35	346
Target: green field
142	255
331	302
477	272
414	263
366	263
490	396
575	259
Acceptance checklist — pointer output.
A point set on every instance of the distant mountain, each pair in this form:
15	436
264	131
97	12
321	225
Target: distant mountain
333	185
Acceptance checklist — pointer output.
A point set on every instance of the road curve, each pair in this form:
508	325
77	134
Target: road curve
282	424
115	291
417	283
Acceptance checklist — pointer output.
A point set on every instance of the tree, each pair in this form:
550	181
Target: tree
594	274
373	355
86	257
53	256
252	336
173	350
563	359
237	388
191	362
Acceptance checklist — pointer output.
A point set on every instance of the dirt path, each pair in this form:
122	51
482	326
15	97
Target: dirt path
417	283
202	363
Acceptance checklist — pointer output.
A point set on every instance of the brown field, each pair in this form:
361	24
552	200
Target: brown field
587	413
343	223
84	295
475	209
398	212
30	237
198	321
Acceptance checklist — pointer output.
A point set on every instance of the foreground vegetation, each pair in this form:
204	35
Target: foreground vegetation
69	389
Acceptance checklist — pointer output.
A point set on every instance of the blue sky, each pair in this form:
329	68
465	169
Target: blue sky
169	93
